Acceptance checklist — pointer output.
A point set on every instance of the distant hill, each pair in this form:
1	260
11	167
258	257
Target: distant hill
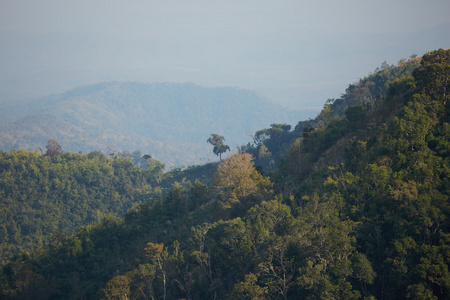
169	121
361	210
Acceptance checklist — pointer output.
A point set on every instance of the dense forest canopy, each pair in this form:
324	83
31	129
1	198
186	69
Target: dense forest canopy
44	195
351	205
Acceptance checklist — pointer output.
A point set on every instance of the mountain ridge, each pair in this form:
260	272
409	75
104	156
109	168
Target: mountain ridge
131	115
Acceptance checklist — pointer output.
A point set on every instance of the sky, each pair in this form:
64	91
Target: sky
297	53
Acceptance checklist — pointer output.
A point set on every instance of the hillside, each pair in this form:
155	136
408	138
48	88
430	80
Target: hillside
171	122
43	196
270	144
357	209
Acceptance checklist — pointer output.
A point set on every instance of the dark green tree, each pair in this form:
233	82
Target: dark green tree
248	289
219	147
53	148
274	138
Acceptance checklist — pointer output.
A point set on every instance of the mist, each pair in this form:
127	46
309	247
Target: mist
295	53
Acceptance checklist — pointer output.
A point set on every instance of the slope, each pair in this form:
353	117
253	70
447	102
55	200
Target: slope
371	222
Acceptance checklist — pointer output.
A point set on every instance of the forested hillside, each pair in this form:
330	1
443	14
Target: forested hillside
353	205
269	145
169	121
42	196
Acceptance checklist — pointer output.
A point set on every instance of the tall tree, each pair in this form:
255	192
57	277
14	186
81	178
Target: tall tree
53	148
217	142
159	256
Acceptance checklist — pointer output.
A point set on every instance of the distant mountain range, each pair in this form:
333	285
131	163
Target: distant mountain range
169	121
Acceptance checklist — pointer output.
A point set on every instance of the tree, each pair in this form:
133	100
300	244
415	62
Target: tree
363	270
219	147
233	179
433	76
355	114
142	280
248	289
53	148
159	256
278	268
273	138
264	157
117	288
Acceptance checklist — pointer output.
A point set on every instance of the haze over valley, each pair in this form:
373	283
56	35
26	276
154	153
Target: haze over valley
171	122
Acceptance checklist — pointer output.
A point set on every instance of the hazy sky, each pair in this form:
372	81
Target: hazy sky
297	52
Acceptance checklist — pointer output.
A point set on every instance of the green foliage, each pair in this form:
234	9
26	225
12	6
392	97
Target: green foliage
393	182
273	138
353	105
44	195
218	146
361	212
355	114
238	185
248	289
433	75
117	288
